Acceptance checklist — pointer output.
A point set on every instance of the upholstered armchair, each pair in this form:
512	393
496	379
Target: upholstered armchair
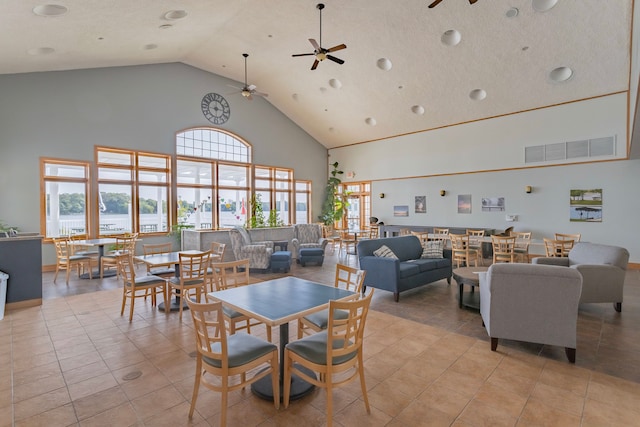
533	303
602	267
258	253
307	236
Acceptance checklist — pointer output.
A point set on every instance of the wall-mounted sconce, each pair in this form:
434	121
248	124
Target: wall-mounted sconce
528	189
443	193
381	195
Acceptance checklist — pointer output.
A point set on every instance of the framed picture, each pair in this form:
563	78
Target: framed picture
493	204
464	203
421	204
402	210
585	205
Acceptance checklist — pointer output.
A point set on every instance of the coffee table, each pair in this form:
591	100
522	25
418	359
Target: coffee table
468	276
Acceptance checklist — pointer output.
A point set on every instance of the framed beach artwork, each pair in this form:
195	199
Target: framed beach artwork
464	203
585	205
401	210
493	204
421	204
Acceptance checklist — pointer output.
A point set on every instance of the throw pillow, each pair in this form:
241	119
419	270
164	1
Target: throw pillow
432	249
384	252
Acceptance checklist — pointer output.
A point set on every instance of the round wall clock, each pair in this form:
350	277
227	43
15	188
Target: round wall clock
215	108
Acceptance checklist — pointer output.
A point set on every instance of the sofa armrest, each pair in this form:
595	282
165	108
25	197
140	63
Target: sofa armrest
254	248
267	243
382	273
561	261
600	274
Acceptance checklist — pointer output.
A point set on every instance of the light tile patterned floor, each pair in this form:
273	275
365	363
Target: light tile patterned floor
427	363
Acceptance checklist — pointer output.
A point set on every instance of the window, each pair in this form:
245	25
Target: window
275	188
133	191
66	191
212	143
303	202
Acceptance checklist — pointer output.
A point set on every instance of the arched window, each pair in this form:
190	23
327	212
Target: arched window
212	143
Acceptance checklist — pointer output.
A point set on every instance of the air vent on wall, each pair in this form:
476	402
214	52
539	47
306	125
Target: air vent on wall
588	148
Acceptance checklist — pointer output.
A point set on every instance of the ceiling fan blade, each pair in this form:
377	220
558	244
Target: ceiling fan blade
338	47
472	1
435	3
315	65
315	44
260	93
303	54
249	97
235	87
334	59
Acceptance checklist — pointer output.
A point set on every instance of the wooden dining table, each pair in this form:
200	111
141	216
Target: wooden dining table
276	303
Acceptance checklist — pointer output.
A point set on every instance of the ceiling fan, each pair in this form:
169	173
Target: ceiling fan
318	51
248	90
437	2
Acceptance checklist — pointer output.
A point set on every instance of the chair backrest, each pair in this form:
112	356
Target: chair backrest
230	274
307	233
217	251
557	248
374	230
211	334
405	231
349	278
475	236
125	244
504	248
562	236
440	233
459	242
62	249
125	267
345	335
422	235
156	248
194	266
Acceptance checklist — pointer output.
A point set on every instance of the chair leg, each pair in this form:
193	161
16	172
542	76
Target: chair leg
571	354
275	379
286	392
124	299
196	385
494	343
363	386
268	333
132	297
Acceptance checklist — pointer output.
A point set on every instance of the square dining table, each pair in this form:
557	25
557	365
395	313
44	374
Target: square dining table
163	260
277	302
100	244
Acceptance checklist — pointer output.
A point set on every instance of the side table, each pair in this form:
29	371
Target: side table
280	245
468	276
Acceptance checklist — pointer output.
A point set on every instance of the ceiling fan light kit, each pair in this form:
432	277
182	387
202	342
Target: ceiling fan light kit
248	90
318	51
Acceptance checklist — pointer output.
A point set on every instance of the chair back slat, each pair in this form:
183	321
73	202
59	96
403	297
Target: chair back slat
345	335
349	278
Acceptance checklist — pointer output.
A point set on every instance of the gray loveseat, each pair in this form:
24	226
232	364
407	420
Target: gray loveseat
602	267
408	271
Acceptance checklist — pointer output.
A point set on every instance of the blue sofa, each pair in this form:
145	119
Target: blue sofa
408	271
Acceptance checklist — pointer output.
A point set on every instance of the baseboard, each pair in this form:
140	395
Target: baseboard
23	304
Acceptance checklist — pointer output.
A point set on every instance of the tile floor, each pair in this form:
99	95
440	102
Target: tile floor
427	363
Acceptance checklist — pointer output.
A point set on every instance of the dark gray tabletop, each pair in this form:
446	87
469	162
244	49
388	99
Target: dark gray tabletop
156	260
279	301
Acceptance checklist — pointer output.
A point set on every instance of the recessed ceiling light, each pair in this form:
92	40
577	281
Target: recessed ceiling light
370	121
323	89
451	37
294	96
478	94
50	10
560	74
512	12
417	109
150	46
41	51
165	26
335	83
384	64
543	5
173	15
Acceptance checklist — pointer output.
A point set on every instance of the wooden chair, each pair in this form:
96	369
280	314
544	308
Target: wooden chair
227	359
476	237
405	231
422	235
336	354
148	284
441	234
348	278
504	248
374	230
347	240
159	248
193	276
217	251
66	260
332	236
523	239
233	274
461	251
574	237
557	248
124	244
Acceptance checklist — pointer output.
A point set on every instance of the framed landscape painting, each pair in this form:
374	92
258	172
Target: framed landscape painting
585	205
401	210
464	203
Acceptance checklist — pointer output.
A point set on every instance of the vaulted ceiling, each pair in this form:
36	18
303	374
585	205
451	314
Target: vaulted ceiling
407	67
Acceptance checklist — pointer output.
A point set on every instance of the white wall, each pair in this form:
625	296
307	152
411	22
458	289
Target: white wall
424	163
65	114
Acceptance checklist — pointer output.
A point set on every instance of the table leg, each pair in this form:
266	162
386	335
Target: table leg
299	388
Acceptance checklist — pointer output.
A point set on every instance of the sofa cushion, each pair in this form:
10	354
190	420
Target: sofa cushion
433	249
408	269
427	264
384	252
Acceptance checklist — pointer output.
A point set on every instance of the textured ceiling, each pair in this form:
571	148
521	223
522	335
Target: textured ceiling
510	58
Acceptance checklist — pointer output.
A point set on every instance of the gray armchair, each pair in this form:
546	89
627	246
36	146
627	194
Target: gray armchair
258	253
533	303
602	267
307	236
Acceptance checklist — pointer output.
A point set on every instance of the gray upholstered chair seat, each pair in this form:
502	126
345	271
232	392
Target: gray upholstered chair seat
242	349
192	282
314	349
321	318
148	280
160	271
231	313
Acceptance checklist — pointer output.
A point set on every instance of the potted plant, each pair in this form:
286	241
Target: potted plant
335	203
